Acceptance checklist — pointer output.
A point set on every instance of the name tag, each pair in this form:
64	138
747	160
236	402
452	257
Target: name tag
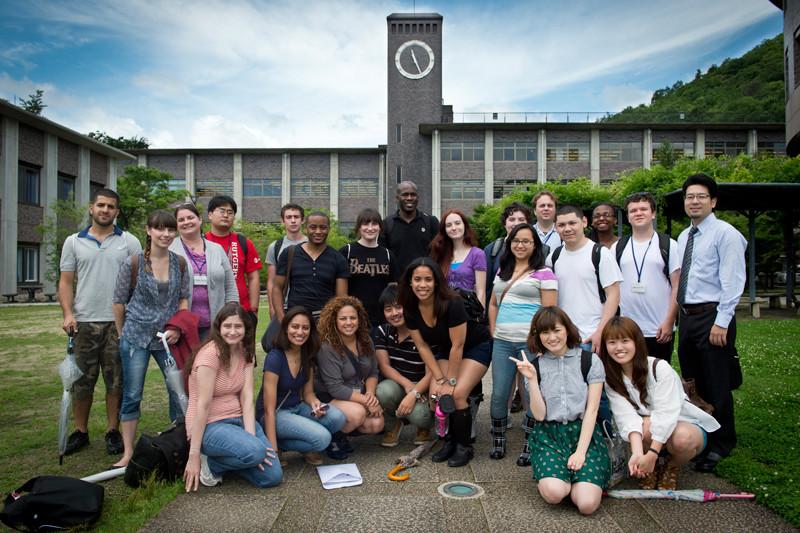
200	279
637	287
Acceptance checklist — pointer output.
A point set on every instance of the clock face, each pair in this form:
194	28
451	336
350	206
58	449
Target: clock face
414	59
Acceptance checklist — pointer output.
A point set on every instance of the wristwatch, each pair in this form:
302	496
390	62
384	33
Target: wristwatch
452	382
417	395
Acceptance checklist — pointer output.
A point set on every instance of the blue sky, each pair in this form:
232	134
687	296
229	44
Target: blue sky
291	74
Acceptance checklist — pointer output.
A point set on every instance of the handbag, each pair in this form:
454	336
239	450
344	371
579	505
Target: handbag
48	503
618	453
690	389
164	454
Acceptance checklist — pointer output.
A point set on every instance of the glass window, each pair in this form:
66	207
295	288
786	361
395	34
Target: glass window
214	186
261	187
311	187
621	151
462	151
726	148
462	189
28	191
771	148
503	188
176	184
358	187
66	187
568	151
515	151
681	150
27	264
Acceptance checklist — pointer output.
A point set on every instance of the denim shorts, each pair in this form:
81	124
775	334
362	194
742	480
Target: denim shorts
481	353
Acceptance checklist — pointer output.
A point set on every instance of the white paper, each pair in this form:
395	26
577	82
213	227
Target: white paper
338	476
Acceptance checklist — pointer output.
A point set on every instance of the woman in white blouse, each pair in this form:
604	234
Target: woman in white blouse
650	407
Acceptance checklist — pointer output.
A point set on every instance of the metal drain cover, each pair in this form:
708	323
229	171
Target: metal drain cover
462	490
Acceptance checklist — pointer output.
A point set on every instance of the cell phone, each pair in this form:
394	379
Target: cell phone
323	407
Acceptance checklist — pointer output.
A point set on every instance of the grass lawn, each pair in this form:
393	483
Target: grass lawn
766	461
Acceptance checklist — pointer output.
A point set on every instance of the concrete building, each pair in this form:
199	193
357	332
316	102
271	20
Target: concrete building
41	162
791	71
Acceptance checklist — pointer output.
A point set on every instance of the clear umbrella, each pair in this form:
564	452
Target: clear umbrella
689	495
173	376
70	373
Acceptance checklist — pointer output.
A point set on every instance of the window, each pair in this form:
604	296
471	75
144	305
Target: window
66	187
311	187
568	151
27	263
515	151
399	173
503	188
398	132
28	192
261	187
462	189
771	149
621	151
796	54
680	150
462	151
176	184
725	148
358	187
214	186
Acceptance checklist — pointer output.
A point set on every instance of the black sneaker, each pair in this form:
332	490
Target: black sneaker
114	444
77	441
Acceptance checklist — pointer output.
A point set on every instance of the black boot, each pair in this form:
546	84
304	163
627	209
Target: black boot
498	438
447	450
461	423
524	458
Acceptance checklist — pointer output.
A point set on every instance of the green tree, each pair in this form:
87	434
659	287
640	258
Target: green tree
121	143
65	218
143	190
35	102
665	155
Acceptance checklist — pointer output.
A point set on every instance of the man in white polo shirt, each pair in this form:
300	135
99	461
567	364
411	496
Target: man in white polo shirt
95	255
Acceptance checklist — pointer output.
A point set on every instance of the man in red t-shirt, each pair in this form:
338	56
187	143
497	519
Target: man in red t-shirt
245	263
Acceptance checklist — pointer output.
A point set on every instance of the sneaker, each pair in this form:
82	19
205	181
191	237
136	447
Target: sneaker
207	477
313	458
344	443
77	441
516	403
335	452
423	435
391	437
114	444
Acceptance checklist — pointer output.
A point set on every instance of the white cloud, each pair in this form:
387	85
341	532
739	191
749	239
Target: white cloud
621	96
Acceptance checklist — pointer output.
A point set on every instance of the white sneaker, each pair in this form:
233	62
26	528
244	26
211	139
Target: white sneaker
207	478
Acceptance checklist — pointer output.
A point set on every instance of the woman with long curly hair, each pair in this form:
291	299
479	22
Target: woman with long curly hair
348	370
650	407
220	423
455	249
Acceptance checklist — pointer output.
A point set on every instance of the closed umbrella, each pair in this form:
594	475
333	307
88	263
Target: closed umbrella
70	373
689	495
173	376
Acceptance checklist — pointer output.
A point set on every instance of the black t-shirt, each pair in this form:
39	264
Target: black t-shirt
438	336
371	269
312	283
409	240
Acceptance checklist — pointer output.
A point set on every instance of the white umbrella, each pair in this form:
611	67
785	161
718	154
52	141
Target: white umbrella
173	376
689	495
70	373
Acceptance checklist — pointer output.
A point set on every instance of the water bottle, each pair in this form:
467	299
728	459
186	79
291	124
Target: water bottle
441	422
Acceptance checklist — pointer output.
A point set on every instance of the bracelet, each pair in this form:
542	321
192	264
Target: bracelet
654	451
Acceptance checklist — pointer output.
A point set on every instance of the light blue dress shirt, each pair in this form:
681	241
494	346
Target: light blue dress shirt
717	273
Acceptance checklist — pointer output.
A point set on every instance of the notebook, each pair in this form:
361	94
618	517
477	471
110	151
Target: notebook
338	476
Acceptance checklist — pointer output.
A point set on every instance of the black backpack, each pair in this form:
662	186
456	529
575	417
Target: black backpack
165	454
596	248
586	365
472	306
49	503
663	247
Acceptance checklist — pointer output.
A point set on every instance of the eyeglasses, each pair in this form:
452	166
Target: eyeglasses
603	215
701	196
225	212
523	242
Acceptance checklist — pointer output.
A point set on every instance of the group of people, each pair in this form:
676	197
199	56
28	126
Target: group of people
405	322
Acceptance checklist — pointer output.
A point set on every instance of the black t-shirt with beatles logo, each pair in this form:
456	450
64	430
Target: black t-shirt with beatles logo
371	269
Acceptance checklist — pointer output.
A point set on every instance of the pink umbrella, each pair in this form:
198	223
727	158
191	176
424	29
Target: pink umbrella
689	495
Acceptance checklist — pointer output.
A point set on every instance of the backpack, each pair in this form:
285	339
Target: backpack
596	249
663	247
586	365
242	241
473	306
347	255
165	454
48	503
690	389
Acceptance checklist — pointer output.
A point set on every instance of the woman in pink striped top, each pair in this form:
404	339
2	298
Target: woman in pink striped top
221	426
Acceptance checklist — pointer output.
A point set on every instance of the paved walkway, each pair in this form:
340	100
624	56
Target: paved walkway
510	502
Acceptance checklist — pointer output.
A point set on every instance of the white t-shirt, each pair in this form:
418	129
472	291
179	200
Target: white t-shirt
272	257
648	308
577	284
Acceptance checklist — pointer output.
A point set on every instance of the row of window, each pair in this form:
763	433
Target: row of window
310	187
29	185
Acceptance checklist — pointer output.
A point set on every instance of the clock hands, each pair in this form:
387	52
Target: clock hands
414	57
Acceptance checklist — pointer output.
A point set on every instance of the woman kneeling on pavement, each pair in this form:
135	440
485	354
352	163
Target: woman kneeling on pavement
348	371
220	424
457	351
292	415
403	391
650	407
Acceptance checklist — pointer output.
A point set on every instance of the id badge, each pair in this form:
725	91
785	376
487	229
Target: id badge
638	287
200	279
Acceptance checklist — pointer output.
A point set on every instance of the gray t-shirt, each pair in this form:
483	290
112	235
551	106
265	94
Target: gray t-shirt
96	266
272	257
563	389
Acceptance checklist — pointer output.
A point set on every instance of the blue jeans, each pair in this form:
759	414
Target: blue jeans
232	449
134	369
297	430
504	371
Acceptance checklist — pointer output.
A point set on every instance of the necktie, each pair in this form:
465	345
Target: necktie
687	263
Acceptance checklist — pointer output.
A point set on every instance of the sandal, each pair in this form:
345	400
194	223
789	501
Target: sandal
668	480
650	481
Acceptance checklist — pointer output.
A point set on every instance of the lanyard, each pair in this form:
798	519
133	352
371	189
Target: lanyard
639	269
546	237
191	255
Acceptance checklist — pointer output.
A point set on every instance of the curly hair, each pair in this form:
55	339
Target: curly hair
329	333
442	244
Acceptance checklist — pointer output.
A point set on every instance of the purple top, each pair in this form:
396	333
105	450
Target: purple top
200	305
462	275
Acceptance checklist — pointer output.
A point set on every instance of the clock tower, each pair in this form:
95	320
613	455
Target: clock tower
414	63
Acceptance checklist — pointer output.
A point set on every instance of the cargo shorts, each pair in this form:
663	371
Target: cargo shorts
97	348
